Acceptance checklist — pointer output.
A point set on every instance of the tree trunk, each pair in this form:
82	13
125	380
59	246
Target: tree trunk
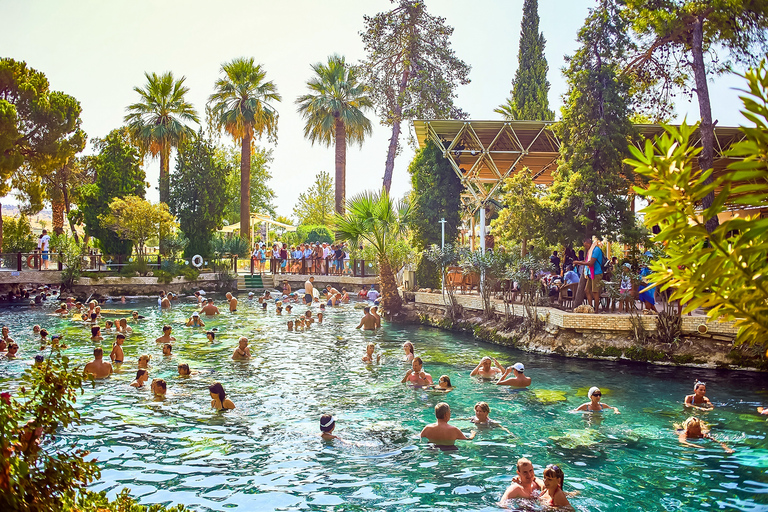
580	292
1	228
391	300
164	179
524	248
706	158
69	217
57	217
245	188
389	167
341	166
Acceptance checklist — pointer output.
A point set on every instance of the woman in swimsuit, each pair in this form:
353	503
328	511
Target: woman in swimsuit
408	348
595	405
443	384
553	494
219	400
327	424
698	400
142	376
694	428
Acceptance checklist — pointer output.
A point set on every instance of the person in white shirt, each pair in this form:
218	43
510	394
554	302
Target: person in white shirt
372	294
43	244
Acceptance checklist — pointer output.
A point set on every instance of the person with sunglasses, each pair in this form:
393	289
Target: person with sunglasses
595	405
553	495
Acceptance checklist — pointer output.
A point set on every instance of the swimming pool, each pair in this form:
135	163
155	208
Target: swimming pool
265	454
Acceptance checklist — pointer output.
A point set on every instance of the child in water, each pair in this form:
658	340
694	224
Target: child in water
694	428
117	355
368	357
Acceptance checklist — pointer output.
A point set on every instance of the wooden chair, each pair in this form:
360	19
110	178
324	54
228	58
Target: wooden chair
567	294
454	279
471	280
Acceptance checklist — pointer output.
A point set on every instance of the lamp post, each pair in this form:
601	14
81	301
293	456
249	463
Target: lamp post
442	243
442	248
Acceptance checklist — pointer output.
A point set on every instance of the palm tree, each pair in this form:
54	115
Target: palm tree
240	105
157	122
373	217
333	111
506	110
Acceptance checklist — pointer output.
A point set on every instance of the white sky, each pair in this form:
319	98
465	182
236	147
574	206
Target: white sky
98	50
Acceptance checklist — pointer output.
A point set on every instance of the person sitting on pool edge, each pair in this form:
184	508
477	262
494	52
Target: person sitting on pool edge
484	369
595	405
518	381
242	351
698	399
441	434
368	357
694	428
524	485
417	376
219	400
195	320
553	495
142	376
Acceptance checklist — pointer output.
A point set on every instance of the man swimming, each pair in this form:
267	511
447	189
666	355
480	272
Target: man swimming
417	376
441	434
232	302
525	485
518	381
98	368
485	370
368	322
242	351
166	337
209	309
308	290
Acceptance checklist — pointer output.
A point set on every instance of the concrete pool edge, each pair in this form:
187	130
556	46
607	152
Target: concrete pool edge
603	339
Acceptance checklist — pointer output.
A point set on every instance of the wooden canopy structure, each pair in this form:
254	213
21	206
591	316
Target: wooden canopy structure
485	153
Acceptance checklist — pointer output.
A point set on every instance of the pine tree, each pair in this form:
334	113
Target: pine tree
530	87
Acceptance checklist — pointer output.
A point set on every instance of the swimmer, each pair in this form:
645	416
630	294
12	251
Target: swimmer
142	376
96	333
62	309
519	380
13	350
39	360
417	376
122	326
209	309
195	320
408	348
167	348
344	296
98	368
484	369
232	302
56	339
327	425
698	400
309	290
242	351
6	334
108	325
144	361
694	428
368	322
524	485
368	357
762	410
319	317
3	345
441	434
595	405
219	397
136	316
43	337
299	324
184	370
211	335
288	308
443	384
158	387
481	419
553	495
375	314
290	325
117	356
308	317
166	337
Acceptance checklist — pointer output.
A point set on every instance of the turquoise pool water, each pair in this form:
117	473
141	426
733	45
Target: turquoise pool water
265	455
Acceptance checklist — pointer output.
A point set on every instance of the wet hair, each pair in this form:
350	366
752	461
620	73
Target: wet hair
39	358
483	406
366	309
441	410
120	336
371	345
693	420
43	333
446	379
98	352
109	323
170	347
698	383
211	333
185	367
217	389
140	372
147	356
522	462
161	383
327	423
409	345
94	316
16	346
418	360
555	471
166	328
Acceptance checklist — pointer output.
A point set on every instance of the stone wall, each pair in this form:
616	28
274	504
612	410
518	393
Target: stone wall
117	286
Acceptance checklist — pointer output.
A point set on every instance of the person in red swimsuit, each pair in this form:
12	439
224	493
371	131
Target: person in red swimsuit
553	494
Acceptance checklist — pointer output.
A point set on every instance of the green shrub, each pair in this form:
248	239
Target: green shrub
189	273
315	233
139	266
163	276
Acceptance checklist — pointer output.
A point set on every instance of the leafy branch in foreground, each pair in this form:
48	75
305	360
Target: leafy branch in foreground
724	271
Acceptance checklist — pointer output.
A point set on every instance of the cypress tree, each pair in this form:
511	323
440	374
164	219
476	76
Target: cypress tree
530	87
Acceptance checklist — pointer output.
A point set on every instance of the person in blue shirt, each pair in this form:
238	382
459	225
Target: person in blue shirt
594	272
570	276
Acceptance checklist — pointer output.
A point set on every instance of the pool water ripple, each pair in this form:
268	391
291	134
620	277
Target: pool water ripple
265	455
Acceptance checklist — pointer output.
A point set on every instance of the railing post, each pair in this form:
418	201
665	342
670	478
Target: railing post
18	262
61	257
362	269
158	261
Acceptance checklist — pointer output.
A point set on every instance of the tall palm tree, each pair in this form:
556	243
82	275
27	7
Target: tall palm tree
334	113
240	105
506	110
375	218
157	121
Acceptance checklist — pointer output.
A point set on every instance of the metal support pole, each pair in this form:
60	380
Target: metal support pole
482	228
